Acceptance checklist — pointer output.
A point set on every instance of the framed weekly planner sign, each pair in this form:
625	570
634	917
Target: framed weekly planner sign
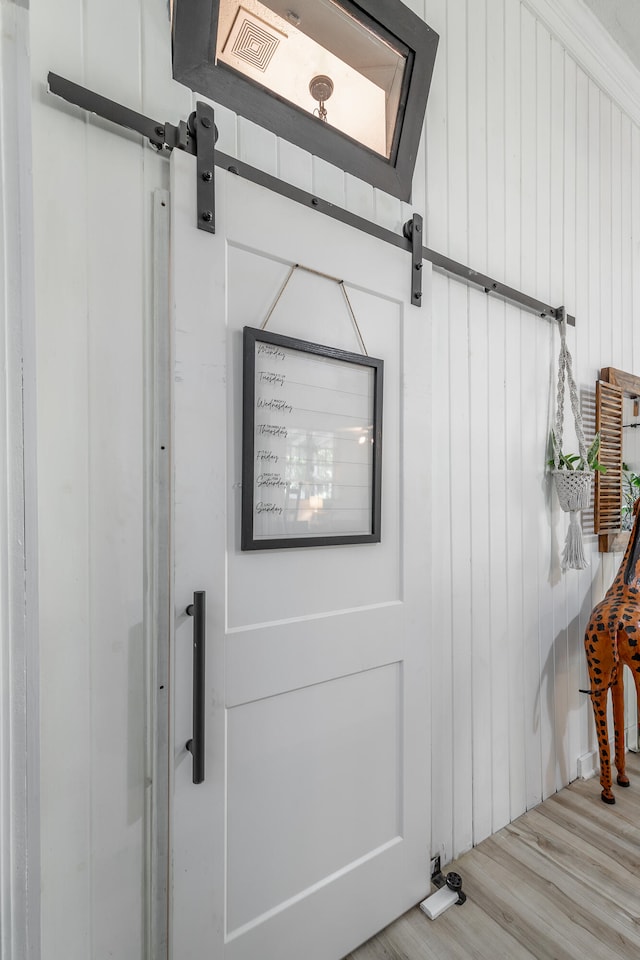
311	446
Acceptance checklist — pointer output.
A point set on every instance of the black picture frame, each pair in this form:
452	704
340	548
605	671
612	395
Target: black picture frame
297	406
194	35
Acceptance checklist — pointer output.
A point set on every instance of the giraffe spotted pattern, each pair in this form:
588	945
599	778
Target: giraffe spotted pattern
611	640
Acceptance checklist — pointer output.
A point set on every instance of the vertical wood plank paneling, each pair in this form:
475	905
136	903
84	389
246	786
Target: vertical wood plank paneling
460	435
19	639
328	182
594	238
582	594
554	643
462	683
590	362
115	443
227	126
513	410
626	244
359	196
388	211
441	617
545	343
294	165
442	759
457	145
419	191
605	267
417	6
615	302
589	348
478	423
91	291
531	397
476	47
497	400
568	745
442	748
570	156
61	307
481	622
436	220
257	146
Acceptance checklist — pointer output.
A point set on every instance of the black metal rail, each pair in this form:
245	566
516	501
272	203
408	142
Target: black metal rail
184	137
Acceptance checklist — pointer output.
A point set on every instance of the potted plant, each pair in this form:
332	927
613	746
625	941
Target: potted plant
572	474
573	461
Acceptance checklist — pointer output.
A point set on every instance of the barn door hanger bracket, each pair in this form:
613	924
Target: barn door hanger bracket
196	136
413	232
205	135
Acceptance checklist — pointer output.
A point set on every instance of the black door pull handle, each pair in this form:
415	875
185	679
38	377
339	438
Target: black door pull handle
195	746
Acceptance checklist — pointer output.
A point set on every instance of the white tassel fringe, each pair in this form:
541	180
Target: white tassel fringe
573	557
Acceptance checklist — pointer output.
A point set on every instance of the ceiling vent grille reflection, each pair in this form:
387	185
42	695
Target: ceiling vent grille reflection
252	41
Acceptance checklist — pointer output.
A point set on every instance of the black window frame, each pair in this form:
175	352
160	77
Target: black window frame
194	35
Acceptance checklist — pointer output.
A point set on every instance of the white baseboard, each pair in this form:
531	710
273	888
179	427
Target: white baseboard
588	765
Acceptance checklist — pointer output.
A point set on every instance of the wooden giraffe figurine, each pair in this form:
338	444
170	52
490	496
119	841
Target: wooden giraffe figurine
612	639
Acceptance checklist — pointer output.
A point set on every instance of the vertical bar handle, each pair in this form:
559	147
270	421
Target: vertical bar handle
195	746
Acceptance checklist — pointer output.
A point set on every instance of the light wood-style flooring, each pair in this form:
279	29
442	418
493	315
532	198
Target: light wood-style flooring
560	883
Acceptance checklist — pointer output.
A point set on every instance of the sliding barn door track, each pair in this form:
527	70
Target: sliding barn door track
197	136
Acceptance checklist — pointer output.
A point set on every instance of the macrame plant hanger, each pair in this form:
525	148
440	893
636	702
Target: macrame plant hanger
325	276
573	486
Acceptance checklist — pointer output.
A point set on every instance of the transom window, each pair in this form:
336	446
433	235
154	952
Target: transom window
330	75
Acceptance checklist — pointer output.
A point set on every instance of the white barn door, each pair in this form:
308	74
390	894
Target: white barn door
311	829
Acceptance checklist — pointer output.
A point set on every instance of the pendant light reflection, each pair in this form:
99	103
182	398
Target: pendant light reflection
321	88
280	48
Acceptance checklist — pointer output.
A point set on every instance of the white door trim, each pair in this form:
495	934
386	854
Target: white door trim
159	597
19	654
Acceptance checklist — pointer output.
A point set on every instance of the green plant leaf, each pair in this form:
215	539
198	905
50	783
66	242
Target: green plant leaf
574	461
594	449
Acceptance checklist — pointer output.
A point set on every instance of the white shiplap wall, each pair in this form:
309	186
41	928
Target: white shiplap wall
532	176
19	752
529	171
93	199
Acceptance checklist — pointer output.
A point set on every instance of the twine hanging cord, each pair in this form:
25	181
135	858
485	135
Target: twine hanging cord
326	276
564	369
573	486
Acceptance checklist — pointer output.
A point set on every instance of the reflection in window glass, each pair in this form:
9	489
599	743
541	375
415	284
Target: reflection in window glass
316	55
313	445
